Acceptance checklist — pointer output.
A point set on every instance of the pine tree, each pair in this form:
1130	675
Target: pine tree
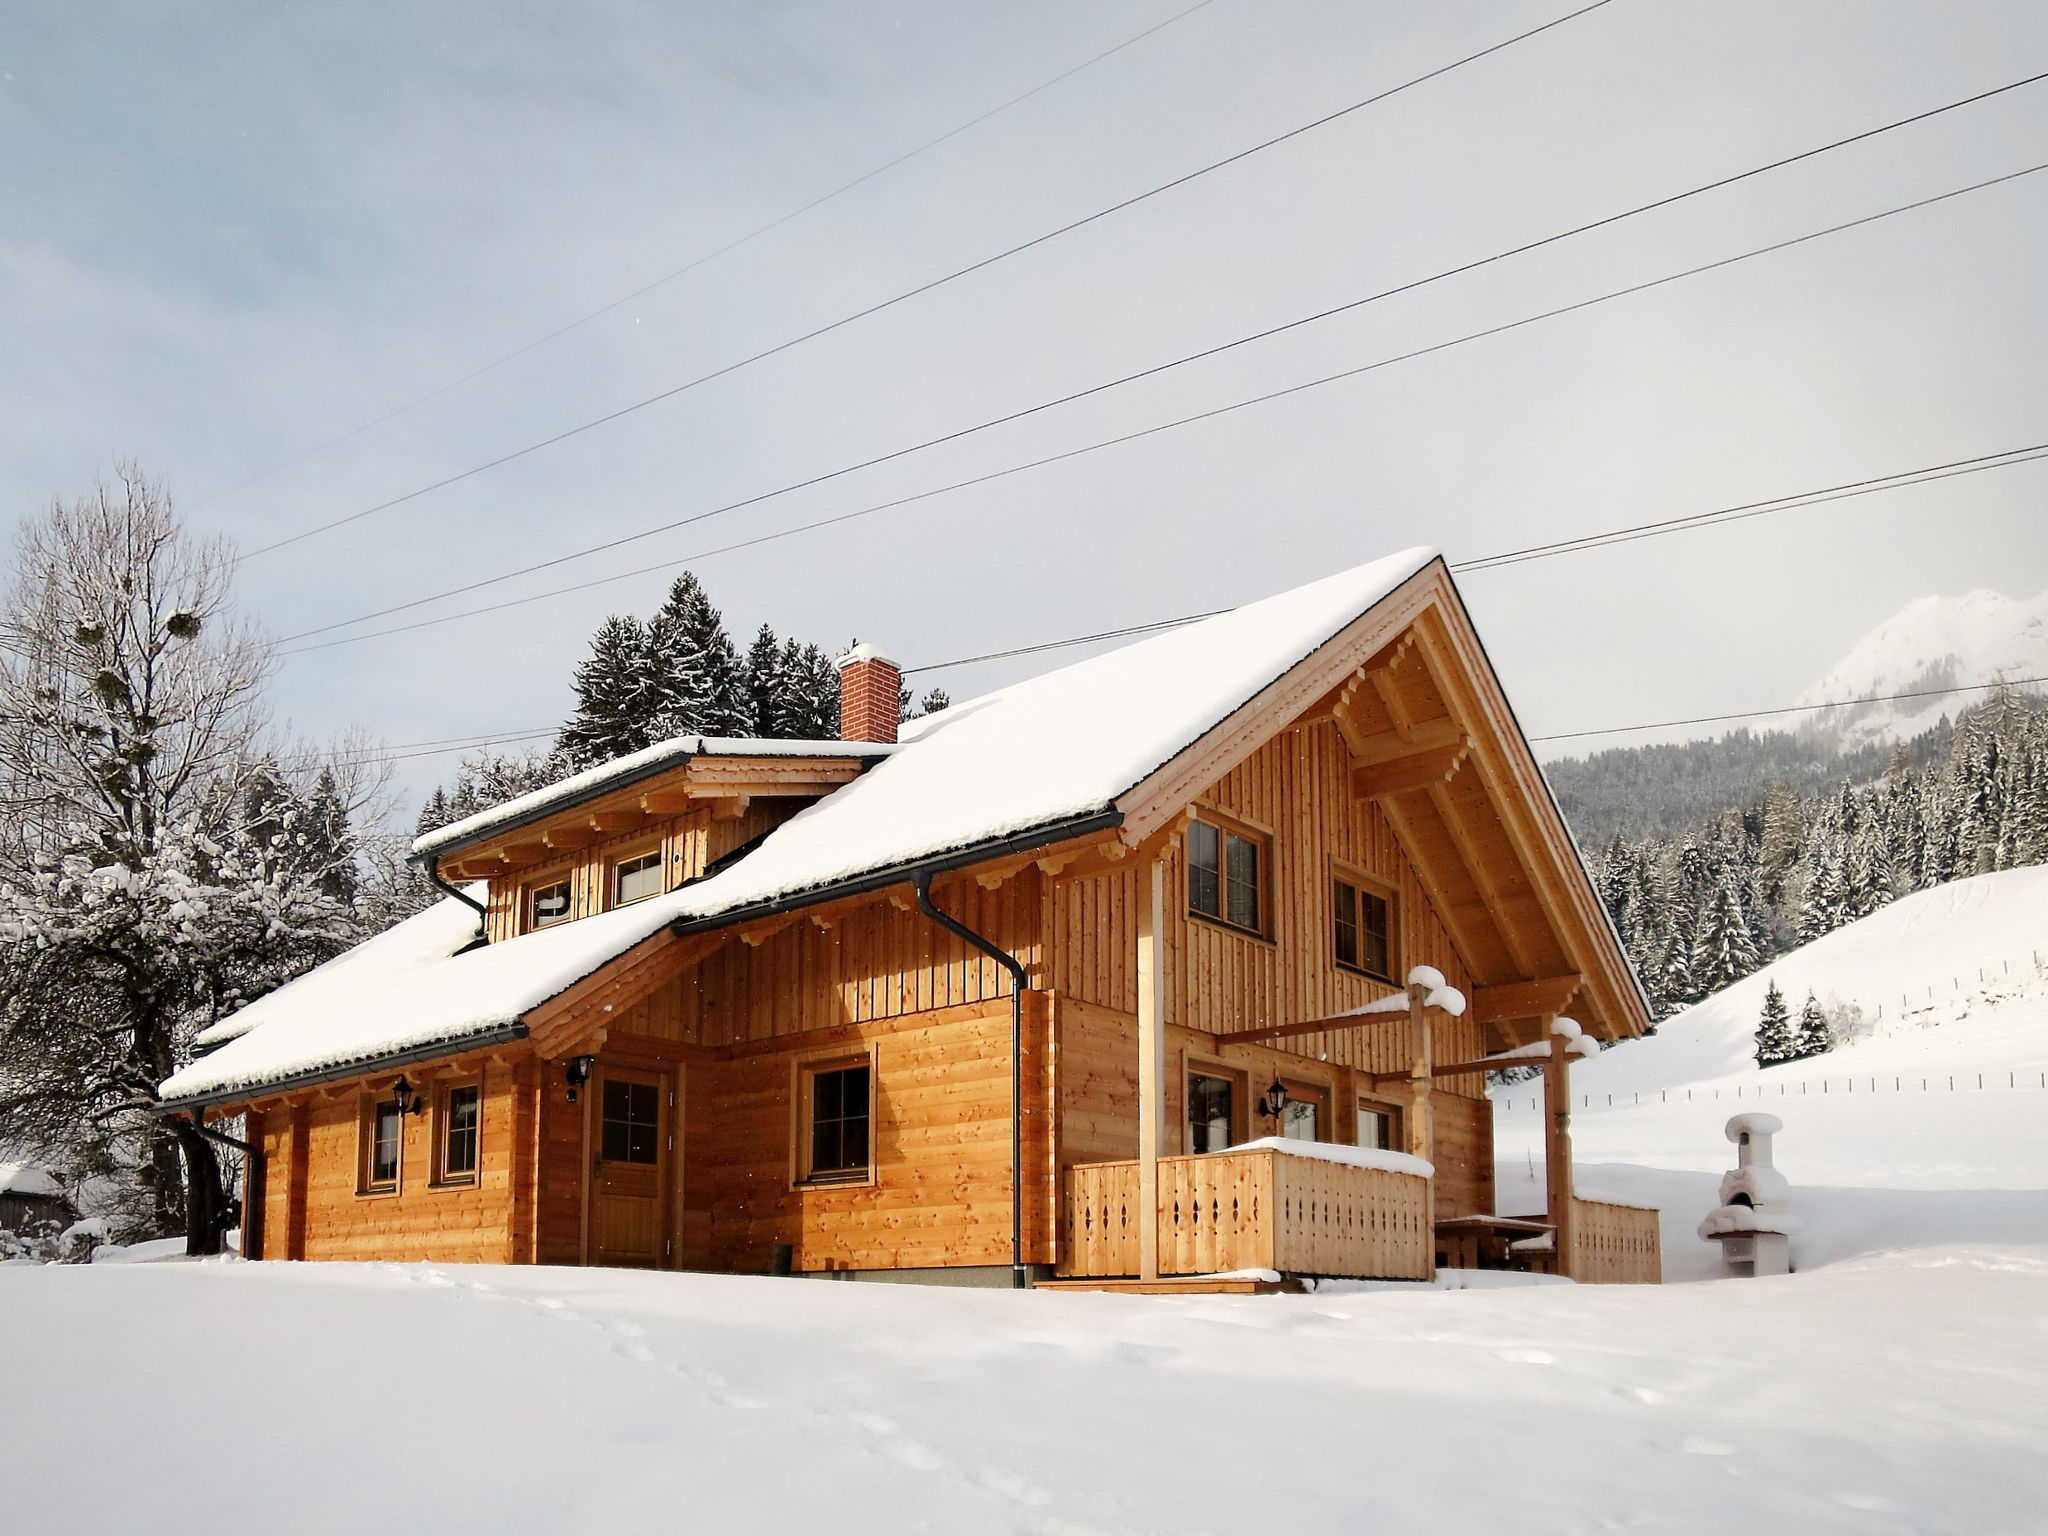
808	709
1722	952
1774	1039
1814	1035
698	686
935	701
766	682
614	696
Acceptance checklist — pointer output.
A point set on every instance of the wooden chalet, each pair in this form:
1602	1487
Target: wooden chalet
1185	960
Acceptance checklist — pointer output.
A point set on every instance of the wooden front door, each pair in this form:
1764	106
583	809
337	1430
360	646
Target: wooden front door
629	1167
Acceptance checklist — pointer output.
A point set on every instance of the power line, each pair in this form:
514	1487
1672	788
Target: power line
704	260
1207	352
1072	453
926	287
1794	709
505	738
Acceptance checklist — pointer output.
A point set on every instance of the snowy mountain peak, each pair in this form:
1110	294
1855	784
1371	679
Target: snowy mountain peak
1932	642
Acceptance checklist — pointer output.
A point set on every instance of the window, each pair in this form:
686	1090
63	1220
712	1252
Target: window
1303	1117
1362	921
1377	1128
461	1117
636	879
632	1122
1210	1105
1223	876
547	904
840	1104
382	1133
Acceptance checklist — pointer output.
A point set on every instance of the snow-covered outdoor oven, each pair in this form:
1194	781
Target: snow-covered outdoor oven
1754	1222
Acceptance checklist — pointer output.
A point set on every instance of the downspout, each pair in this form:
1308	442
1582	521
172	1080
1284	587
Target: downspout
432	866
1008	962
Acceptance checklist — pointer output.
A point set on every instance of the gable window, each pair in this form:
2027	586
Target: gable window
1362	922
547	905
1211	1102
632	1122
636	879
461	1120
382	1135
1224	873
839	1111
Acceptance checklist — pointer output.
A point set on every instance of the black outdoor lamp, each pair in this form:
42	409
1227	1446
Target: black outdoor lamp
408	1102
1275	1101
578	1073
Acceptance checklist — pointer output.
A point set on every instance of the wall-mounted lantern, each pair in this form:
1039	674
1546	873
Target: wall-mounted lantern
407	1098
1274	1104
578	1073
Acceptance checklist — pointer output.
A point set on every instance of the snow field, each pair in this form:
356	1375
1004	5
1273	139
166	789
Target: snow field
557	1401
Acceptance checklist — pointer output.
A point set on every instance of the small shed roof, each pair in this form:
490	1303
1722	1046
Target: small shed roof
28	1179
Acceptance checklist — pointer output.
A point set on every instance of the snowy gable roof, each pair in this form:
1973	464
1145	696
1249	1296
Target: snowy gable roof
1043	752
1050	749
28	1179
621	771
412	989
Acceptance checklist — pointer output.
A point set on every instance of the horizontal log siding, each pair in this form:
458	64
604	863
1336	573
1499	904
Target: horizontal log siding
941	1132
324	1217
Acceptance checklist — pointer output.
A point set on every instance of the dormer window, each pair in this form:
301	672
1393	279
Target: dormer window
547	905
636	878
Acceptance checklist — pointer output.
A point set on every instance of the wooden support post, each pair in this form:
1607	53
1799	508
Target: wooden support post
1557	1143
1151	1061
1421	1122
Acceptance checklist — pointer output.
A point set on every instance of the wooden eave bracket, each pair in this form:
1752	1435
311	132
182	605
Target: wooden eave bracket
1523	999
1419	768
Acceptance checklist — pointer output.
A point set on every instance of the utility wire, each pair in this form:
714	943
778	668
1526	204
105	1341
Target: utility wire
435	750
704	260
926	287
1160	368
1794	709
1072	453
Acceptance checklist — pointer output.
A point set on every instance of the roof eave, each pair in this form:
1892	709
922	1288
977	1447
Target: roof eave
242	1093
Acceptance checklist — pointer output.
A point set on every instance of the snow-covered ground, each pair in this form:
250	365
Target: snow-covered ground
1897	1382
1902	1392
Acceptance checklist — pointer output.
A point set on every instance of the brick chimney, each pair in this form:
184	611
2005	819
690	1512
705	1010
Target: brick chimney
870	690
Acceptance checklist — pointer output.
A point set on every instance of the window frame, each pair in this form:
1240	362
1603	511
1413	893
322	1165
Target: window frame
804	1073
1391	1112
615	865
531	888
1358	880
1226	827
444	1122
368	1110
1192	1067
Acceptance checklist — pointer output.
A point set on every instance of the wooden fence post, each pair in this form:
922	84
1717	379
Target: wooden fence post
1151	1059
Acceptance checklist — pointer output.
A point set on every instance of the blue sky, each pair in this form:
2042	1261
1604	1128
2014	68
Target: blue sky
230	234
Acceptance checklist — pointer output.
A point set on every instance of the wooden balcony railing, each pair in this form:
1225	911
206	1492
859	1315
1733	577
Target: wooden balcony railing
1258	1209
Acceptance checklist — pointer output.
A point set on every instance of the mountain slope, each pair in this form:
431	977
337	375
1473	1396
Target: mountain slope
1932	642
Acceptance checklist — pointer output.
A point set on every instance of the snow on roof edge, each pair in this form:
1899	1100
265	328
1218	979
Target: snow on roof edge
621	770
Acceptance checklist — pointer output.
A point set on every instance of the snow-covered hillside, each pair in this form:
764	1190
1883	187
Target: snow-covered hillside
1935	977
1933	642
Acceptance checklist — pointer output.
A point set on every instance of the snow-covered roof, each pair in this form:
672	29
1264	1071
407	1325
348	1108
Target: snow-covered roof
1039	754
28	1179
625	770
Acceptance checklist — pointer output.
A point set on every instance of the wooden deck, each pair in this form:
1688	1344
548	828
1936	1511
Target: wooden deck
1261	1209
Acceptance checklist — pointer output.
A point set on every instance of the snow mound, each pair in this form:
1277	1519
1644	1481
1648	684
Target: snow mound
1933	642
